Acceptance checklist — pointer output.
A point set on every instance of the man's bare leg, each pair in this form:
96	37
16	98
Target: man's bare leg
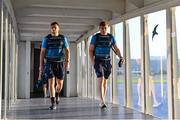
105	87
59	86
52	93
102	91
45	90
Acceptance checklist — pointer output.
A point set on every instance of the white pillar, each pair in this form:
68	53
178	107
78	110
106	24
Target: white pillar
28	68
142	31
10	62
176	80
124	55
16	74
22	70
13	66
1	53
90	72
114	73
128	81
148	96
72	79
169	63
6	65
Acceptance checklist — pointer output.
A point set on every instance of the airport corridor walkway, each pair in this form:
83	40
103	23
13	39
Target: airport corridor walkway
70	108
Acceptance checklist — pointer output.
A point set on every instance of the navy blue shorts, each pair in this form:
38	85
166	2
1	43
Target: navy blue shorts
54	69
102	68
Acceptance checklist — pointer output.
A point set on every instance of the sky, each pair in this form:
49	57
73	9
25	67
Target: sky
157	46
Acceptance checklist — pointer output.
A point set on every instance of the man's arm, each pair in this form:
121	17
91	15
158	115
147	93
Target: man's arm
42	56
67	59
118	53
91	53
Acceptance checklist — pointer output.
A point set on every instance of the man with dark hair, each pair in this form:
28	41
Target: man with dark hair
55	49
99	51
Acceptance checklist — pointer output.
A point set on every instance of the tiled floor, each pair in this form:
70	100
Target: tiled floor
70	108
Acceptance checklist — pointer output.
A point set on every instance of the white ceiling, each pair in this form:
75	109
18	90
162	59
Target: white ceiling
76	17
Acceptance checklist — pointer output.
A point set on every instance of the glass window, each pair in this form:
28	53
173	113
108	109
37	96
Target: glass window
120	73
135	61
158	63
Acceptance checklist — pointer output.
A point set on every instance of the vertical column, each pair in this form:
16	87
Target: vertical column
79	69
111	76
114	72
68	81
23	70
90	72
13	66
1	53
124	55
83	87
170	69
176	80
128	82
28	68
86	65
148	96
10	61
72	82
6	65
87	68
32	82
142	31
16	69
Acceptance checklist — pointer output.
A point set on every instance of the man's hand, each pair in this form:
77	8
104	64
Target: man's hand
92	62
39	77
41	69
67	66
121	61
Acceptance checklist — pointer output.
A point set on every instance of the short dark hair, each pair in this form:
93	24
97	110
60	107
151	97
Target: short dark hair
103	23
54	23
